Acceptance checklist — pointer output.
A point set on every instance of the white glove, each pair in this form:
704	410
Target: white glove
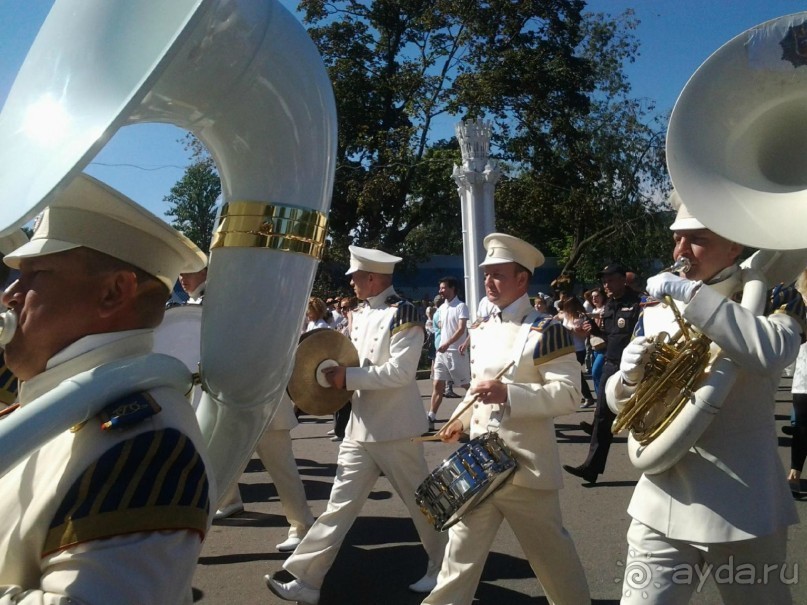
634	358
679	288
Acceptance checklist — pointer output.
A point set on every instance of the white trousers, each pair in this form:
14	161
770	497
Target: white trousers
275	451
359	466
662	571
534	516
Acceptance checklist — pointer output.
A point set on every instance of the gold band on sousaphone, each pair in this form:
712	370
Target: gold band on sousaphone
307	388
248	224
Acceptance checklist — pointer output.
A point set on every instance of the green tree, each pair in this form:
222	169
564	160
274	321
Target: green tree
582	159
586	163
193	202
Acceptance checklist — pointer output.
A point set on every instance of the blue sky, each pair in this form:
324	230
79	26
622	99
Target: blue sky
676	36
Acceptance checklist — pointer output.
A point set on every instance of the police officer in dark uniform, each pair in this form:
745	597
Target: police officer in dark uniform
619	317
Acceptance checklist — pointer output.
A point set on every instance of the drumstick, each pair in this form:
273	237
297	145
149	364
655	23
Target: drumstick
438	435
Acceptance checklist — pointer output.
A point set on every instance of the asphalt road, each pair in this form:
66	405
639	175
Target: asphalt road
382	555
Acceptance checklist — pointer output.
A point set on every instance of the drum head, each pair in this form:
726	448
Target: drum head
180	334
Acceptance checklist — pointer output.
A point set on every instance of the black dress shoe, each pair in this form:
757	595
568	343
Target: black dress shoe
586	427
582	472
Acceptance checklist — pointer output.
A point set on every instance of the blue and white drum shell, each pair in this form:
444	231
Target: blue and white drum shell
464	479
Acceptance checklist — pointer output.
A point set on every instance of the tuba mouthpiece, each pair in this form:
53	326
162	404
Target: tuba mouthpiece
682	264
8	325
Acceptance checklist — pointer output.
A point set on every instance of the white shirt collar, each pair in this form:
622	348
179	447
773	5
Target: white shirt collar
379	300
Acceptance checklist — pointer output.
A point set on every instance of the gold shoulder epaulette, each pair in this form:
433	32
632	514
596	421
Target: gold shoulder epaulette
788	300
155	481
406	316
555	340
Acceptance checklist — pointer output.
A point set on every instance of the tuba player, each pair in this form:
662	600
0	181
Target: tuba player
112	510
724	505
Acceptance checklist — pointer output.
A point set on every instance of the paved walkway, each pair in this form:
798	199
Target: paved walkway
381	555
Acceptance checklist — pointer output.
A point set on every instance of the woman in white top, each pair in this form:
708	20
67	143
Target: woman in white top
315	314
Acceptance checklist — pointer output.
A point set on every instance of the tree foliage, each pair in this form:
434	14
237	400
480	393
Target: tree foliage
583	162
193	202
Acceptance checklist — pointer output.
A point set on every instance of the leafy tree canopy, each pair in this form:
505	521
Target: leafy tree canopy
583	161
193	203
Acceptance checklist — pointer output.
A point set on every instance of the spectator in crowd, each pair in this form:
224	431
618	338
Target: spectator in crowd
540	305
450	363
597	343
619	317
573	317
798	446
316	314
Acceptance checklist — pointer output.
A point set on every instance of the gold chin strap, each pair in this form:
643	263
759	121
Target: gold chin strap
259	225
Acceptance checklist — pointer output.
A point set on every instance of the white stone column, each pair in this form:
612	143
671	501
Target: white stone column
476	180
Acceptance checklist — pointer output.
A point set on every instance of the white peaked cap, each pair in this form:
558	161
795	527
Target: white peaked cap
372	261
12	241
502	248
90	214
683	219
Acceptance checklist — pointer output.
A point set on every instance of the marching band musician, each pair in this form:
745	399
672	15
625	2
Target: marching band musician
113	510
386	413
725	502
8	382
544	383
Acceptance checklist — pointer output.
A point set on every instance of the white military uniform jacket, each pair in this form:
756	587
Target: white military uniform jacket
106	516
730	486
544	383
388	335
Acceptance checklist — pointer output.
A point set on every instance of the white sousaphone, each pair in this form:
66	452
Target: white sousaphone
735	153
243	77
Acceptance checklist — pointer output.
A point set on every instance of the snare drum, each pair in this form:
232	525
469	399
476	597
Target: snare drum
464	479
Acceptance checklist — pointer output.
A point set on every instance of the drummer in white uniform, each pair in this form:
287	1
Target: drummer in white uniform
386	413
543	383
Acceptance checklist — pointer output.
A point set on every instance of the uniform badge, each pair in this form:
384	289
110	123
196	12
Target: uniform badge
620	322
128	411
794	45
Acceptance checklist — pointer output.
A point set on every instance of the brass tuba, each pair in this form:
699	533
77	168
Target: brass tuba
675	366
245	78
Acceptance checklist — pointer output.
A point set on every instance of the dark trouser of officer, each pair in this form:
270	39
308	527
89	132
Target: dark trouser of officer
601	435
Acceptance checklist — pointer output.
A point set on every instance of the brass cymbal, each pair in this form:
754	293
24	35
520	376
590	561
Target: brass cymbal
320	348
